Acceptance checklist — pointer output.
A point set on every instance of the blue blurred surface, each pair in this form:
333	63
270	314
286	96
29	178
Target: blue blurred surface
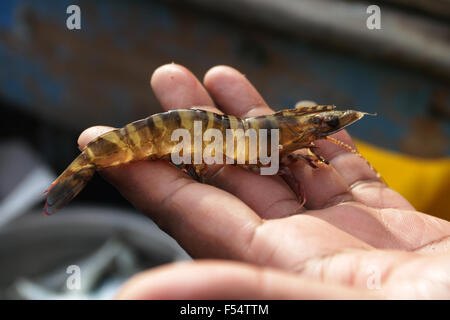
99	74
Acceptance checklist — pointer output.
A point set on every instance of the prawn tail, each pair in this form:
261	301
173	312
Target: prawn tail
68	185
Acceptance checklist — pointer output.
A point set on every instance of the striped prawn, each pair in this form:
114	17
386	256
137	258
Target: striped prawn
150	139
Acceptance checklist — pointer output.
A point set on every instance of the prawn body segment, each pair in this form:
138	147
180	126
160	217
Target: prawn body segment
152	139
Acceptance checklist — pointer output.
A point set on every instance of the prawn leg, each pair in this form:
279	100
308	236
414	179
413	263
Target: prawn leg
295	185
313	159
312	150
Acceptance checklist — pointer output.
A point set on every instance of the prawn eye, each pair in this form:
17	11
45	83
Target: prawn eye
333	121
316	120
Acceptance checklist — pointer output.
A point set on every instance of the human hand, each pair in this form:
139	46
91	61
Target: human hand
355	234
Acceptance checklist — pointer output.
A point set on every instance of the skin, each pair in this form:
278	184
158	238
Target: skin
356	238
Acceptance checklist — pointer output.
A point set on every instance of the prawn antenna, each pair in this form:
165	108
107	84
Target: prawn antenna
352	150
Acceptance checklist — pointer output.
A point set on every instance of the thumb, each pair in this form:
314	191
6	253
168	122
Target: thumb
215	279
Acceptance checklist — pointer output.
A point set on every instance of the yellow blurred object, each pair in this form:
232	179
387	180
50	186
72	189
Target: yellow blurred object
424	183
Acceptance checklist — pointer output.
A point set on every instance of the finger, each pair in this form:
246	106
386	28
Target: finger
176	87
362	180
234	93
323	186
437	247
187	210
91	133
229	280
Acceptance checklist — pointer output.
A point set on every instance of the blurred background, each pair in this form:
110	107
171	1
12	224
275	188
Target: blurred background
55	82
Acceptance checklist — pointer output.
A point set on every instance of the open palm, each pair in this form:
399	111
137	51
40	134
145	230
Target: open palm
354	234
